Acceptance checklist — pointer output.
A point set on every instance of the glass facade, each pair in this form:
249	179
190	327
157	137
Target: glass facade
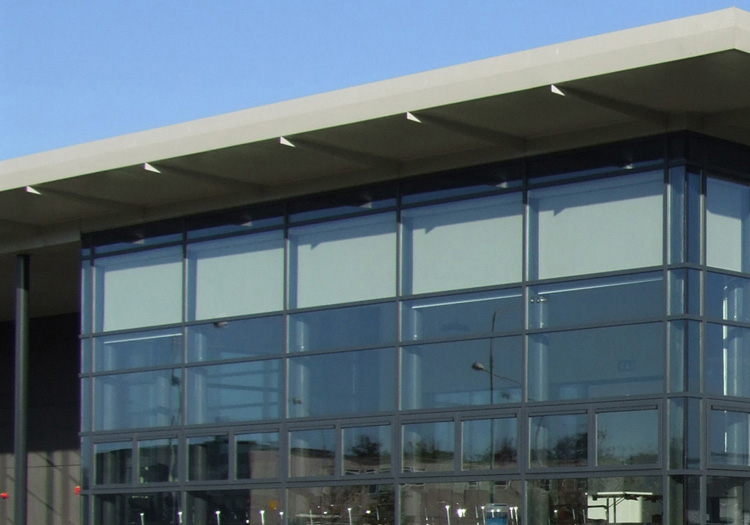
560	341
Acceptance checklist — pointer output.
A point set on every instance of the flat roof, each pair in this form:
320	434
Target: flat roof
690	73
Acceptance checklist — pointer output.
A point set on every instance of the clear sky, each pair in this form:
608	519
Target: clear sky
73	71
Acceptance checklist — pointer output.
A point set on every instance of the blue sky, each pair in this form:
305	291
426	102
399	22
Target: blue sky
73	71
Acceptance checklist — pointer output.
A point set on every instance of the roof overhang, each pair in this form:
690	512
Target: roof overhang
690	73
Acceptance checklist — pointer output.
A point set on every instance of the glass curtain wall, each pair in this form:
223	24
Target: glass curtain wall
536	343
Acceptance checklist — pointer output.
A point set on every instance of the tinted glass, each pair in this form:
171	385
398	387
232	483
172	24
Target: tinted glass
727	225
627	438
727	354
729	438
234	221
157	460
135	350
367	450
726	500
258	455
208	458
558	440
428	447
114	462
236	339
312	452
129	509
727	297
233	507
490	444
343	505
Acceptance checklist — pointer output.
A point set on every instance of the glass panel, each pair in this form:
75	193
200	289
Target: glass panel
139	289
729	438
596	226
676	441
157	460
463	244
343	261
86	286
727	225
627	438
347	505
367	450
600	362
137	509
684	500
694	436
85	404
208	457
490	443
727	355
462	503
357	200
143	399
470	181
694	218
727	297
114	462
258	455
236	339
568	501
370	325
462	315
677	222
727	500
234	221
428	447
234	392
234	507
558	440
86	356
138	236
136	350
477	372
342	383
312	452
684	292
595	301
236	276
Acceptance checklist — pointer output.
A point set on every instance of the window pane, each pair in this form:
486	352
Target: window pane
233	507
463	315
367	450
727	500
490	443
369	325
594	301
627	438
130	509
114	462
476	372
208	458
144	399
727	297
599	362
143	349
342	383
343	261
236	339
462	244
727	351
428	447
312	452
729	438
139	289
236	276
558	440
157	460
596	226
727	225
258	455
347	505
234	392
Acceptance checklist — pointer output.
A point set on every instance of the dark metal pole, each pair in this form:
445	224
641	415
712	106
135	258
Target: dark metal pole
21	388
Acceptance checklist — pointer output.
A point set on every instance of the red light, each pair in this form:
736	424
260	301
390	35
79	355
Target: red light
4	495
78	491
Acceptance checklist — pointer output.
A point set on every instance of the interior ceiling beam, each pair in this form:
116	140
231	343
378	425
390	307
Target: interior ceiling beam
96	201
363	159
635	111
476	132
210	178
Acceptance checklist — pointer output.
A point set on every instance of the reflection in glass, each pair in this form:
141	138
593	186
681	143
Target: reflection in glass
599	362
367	450
369	325
490	443
233	507
135	350
258	455
234	221
136	509
477	372
463	503
113	463
312	452
728	500
684	500
343	505
157	460
208	457
343	261
594	301
727	297
142	399
463	315
234	392
342	383
568	501
463	244
596	226
236	339
729	438
558	439
684	292
727	354
627	438
428	447
235	276
727	225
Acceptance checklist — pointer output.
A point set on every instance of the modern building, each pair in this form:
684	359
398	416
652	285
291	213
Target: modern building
514	291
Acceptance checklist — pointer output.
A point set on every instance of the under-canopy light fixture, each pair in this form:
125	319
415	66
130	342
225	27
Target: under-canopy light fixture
283	141
556	90
412	117
30	189
151	168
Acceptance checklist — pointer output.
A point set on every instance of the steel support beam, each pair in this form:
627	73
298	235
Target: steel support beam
20	499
